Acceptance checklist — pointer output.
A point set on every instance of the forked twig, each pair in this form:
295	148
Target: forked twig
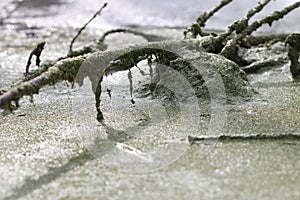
231	48
37	51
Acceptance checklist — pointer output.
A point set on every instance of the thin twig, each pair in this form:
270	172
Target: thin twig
230	50
238	26
196	28
201	20
79	32
37	51
232	138
148	37
267	20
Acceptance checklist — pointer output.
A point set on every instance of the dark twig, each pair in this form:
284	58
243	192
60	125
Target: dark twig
231	48
37	51
196	28
241	24
237	26
201	20
148	37
79	32
267	20
293	42
242	138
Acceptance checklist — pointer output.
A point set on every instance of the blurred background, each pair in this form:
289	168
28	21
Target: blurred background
158	13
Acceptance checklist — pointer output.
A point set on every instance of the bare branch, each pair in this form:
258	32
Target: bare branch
63	70
231	48
148	37
196	28
201	20
237	26
85	25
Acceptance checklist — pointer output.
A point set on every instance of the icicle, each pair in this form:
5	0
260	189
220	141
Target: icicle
141	71
98	101
150	68
109	93
31	99
17	104
131	86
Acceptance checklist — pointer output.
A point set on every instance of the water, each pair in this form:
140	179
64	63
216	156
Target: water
171	13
